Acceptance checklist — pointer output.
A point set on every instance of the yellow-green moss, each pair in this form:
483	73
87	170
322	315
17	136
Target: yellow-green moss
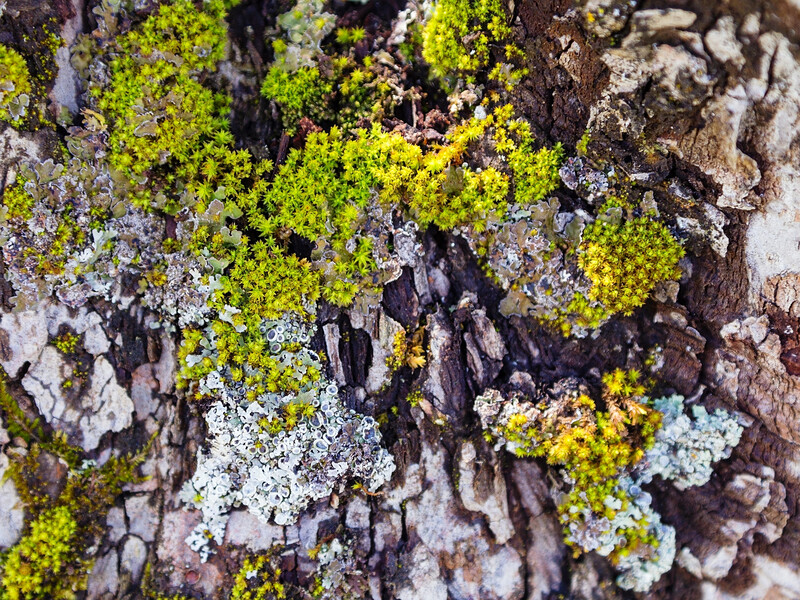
52	559
67	342
594	447
17	201
460	34
348	36
348	92
407	351
258	579
625	261
44	562
15	85
158	111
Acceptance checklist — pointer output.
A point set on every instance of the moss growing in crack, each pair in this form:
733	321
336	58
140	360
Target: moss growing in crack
407	351
53	557
67	342
625	261
15	86
348	36
414	398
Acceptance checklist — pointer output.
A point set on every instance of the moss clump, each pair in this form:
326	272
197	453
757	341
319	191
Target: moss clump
304	93
457	196
328	191
594	447
258	579
17	201
38	565
460	34
414	398
15	85
262	282
52	560
67	342
407	351
324	192
535	171
624	261
344	93
348	36
157	110
579	312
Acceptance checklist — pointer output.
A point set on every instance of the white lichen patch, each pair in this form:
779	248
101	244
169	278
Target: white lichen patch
685	449
279	453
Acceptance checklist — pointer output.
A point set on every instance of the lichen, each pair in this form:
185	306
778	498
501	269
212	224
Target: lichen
303	28
257	459
606	456
685	448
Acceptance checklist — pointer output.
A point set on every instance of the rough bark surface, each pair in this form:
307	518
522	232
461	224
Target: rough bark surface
696	101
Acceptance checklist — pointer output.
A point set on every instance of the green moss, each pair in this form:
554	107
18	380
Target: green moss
535	172
67	342
348	36
459	36
16	422
624	261
17	201
52	559
290	415
348	92
414	398
407	351
30	430
258	579
15	86
582	147
262	282
459	196
42	563
579	312
303	93
323	191
593	446
158	112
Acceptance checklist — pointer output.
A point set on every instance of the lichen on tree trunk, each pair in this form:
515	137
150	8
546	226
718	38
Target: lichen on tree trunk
686	110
